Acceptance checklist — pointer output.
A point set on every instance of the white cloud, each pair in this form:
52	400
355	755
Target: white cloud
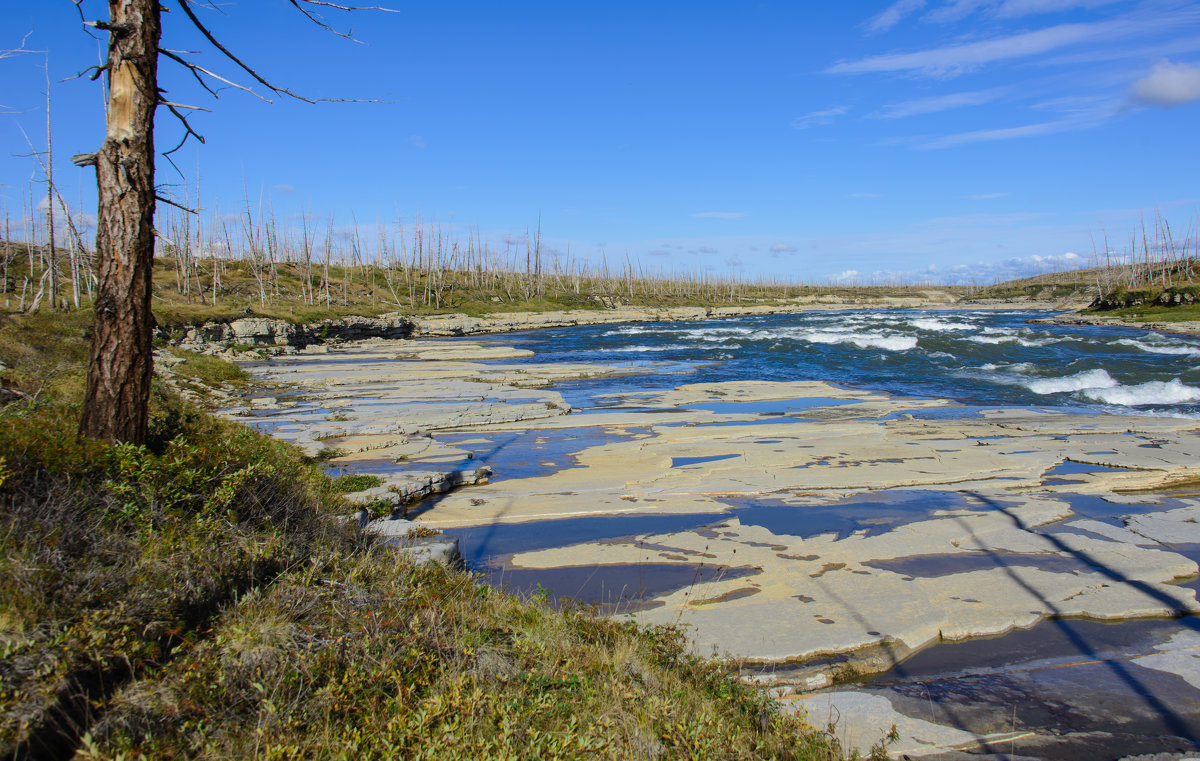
707	250
845	276
818	118
1168	84
783	248
720	214
1003	133
981	272
893	14
955	10
955	59
1017	8
1159	48
734	261
938	103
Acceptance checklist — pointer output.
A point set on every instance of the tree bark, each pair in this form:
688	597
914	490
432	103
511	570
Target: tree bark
116	406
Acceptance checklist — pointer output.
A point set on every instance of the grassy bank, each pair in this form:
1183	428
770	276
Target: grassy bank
190	288
201	597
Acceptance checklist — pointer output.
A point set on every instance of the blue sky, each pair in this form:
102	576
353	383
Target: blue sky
959	140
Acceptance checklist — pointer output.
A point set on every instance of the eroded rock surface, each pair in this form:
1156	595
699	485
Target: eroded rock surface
806	607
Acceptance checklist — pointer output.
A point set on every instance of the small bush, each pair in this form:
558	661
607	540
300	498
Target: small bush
352	482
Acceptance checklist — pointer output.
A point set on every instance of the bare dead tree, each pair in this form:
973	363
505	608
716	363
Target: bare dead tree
116	405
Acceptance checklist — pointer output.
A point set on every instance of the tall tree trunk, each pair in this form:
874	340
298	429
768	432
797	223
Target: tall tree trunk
119	370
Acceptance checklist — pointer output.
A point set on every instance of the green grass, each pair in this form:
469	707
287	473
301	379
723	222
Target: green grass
204	597
351	482
365	291
1154	313
1173	304
209	370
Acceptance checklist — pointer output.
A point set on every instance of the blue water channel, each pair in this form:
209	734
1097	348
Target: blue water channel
977	358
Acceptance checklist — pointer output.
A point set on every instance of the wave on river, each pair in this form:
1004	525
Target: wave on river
973	357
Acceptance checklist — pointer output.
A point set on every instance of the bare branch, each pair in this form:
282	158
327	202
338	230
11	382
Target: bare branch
187	131
197	70
321	23
19	49
169	104
351	7
168	201
183	4
95	72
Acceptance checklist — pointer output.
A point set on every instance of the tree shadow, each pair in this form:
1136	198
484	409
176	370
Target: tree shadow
1176	723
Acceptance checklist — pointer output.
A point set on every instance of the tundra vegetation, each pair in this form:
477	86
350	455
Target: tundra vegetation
203	596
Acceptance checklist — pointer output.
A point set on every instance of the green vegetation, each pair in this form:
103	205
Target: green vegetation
204	597
208	370
351	482
201	277
1035	288
1168	304
1152	313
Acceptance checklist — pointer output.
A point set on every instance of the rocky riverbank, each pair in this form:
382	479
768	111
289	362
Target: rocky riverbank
283	337
705	504
1181	327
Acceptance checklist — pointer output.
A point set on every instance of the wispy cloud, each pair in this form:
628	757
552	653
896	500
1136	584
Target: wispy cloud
783	248
284	188
1017	8
720	214
1168	84
817	118
893	14
1080	114
938	103
416	141
958	58
1159	48
1002	133
955	10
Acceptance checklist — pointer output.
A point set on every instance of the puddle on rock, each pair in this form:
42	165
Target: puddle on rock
613	589
680	462
872	513
482	547
934	566
533	453
770	407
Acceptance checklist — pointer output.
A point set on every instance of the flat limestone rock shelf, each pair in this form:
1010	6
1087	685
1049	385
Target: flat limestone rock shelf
830	532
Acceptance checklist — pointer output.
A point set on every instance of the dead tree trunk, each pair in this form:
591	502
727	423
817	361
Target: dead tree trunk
121	361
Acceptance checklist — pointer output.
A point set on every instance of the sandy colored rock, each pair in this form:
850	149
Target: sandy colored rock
824	594
861	720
